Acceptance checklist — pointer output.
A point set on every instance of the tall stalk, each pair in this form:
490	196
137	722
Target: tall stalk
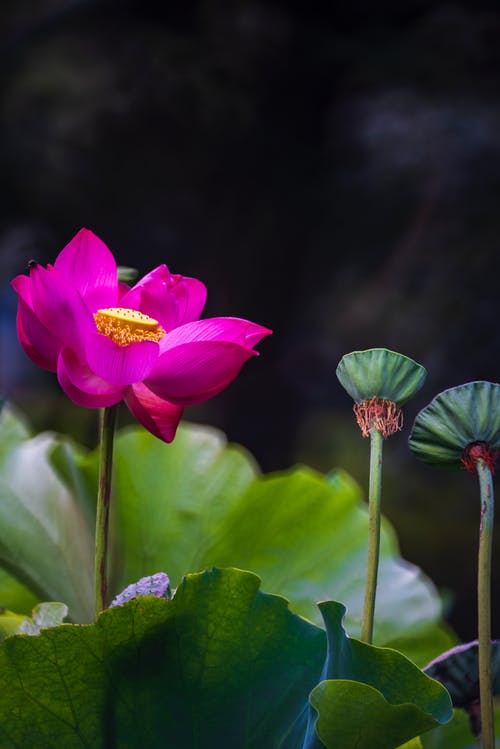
484	603
380	382
460	428
107	423
374	500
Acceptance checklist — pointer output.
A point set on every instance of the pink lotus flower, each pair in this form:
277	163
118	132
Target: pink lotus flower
144	345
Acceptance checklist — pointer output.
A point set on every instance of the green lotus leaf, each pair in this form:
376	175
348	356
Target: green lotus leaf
196	503
46	539
200	503
370	697
221	664
454	419
351	703
382	373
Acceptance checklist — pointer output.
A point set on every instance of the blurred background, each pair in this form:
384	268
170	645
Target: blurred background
330	170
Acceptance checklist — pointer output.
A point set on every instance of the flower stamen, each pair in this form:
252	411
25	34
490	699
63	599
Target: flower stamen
477	451
125	326
378	413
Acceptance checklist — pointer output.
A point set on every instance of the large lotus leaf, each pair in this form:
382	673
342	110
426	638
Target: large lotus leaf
343	708
311	546
454	419
382	373
370	698
169	500
45	540
196	503
222	664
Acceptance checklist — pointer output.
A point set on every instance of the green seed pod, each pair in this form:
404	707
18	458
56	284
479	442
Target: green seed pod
379	381
457	419
380	373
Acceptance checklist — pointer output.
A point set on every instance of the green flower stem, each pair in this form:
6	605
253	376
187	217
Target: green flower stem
484	604
374	495
107	423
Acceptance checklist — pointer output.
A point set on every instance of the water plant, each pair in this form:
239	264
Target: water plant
460	429
156	652
380	382
144	345
221	662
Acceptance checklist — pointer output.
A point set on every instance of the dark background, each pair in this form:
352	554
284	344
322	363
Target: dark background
330	170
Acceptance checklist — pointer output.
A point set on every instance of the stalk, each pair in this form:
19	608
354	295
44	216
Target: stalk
374	498
107	423
484	603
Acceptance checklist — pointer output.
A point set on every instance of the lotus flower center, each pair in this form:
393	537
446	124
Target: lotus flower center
125	326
